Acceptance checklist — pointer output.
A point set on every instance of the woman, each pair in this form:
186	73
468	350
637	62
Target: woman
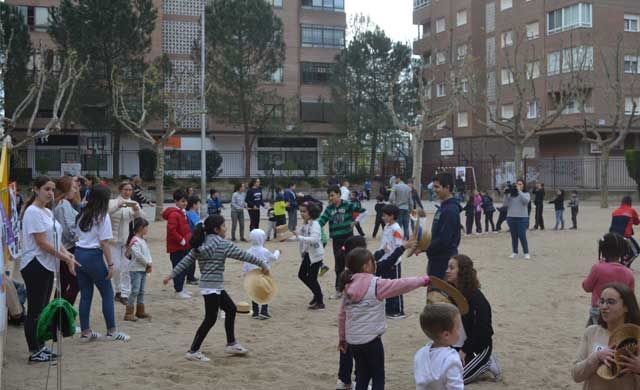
237	211
122	210
618	306
65	202
42	250
254	201
476	344
92	249
517	201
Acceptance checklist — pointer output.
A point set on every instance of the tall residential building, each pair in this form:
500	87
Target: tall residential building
314	33
547	35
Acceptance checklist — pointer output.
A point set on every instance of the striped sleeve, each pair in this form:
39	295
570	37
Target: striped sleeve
184	264
324	218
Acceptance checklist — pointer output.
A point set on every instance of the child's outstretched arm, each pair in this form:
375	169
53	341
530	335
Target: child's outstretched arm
388	288
183	265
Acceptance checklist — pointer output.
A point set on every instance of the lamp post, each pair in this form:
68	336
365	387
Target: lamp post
203	118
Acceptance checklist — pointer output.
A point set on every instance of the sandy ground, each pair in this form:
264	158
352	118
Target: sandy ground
539	312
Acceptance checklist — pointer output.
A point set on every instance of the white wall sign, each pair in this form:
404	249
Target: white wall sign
446	146
72	169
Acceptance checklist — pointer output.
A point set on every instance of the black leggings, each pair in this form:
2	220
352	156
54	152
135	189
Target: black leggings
339	255
308	274
369	359
212	303
379	224
39	283
254	219
488	219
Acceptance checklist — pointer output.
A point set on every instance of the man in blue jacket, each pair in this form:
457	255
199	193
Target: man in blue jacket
445	231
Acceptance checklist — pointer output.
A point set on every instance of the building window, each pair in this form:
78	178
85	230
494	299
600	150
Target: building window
316	72
278	75
507	111
577	59
553	63
276	3
507	38
571	108
628	106
533	70
506	4
440	25
421	3
490	17
506	76
491	86
37	18
533	30
317	111
440	92
462	52
322	36
491	51
574	16
463	119
330	5
532	110
461	18
631	64
464	85
631	23
440	58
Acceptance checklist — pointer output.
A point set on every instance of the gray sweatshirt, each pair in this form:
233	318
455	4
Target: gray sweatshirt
237	201
401	196
65	214
517	205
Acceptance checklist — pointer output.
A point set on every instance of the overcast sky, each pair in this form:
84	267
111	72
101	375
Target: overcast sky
394	17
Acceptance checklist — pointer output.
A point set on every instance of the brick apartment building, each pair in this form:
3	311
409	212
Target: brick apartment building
489	30
314	33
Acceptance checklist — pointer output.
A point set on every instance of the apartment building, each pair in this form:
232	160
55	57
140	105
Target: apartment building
314	33
550	38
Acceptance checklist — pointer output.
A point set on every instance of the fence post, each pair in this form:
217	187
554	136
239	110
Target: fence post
554	172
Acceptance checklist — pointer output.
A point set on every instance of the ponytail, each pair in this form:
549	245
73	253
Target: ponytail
197	237
211	225
135	226
354	263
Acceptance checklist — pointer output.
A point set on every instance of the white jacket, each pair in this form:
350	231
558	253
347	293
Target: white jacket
120	218
437	369
140	255
310	241
257	237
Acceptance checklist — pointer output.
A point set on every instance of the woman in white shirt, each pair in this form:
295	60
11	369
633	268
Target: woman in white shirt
42	251
92	249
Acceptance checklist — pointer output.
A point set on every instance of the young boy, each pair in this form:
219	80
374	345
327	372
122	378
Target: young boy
178	237
280	209
356	202
214	203
437	365
378	207
574	203
387	266
271	217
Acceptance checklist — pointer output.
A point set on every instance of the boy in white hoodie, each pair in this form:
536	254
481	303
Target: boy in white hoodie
437	366
257	238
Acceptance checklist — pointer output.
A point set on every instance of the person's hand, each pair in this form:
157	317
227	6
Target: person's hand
412	243
462	356
630	364
122	203
109	272
606	356
183	242
342	346
166	280
148	269
72	264
135	207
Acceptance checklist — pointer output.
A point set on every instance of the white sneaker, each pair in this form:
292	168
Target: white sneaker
196	356
526	256
235	349
118	336
340	385
513	256
336	295
494	367
182	295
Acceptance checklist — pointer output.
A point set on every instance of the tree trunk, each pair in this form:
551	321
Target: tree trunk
159	179
604	179
372	162
517	161
418	146
115	153
247	153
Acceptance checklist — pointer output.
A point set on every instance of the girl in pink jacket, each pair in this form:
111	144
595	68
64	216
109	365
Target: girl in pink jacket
362	319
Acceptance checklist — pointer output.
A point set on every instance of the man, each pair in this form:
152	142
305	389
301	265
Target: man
401	197
538	201
445	231
292	206
344	191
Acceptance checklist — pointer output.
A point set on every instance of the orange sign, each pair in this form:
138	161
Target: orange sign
174	142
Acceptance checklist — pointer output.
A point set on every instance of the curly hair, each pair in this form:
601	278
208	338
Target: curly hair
467	276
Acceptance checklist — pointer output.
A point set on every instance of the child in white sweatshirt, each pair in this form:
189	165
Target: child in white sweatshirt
257	237
437	366
138	253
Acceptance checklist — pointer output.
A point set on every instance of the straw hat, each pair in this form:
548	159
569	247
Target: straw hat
421	235
259	287
625	342
443	292
243	307
283	233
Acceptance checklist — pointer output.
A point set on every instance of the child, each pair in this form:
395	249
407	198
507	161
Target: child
178	238
386	267
470	214
558	204
257	237
214	203
611	248
361	320
489	209
211	250
574	204
312	252
378	207
139	266
271	217
356	202
437	365
193	211
477	202
502	216
280	209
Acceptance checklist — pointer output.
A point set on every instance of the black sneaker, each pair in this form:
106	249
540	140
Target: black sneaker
255	316
243	240
193	282
49	352
317	306
313	302
233	239
41	357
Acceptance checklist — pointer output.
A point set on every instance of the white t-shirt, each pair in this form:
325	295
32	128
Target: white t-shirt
100	231
39	220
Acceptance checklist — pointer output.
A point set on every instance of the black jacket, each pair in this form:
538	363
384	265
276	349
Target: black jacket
445	231
539	197
254	197
477	324
558	203
378	207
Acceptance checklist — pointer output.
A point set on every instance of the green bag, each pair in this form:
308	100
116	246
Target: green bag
48	320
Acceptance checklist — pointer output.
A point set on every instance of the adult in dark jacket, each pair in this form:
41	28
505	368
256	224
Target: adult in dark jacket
254	201
476	350
538	201
445	231
489	209
558	205
469	214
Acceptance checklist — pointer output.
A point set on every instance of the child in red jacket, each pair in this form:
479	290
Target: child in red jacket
178	237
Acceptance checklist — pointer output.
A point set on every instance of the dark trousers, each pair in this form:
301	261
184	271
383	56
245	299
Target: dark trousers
359	228
488	219
178	281
338	255
308	274
68	283
574	217
539	220
379	224
212	303
502	216
518	230
345	366
469	223
437	265
39	283
191	272
281	220
403	221
254	219
394	305
369	359
256	309
478	222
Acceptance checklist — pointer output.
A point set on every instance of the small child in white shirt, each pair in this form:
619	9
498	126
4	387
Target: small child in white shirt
257	238
388	264
139	266
437	366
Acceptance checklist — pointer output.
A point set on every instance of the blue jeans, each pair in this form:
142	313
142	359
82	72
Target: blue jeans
559	219
138	280
403	221
93	271
518	230
178	281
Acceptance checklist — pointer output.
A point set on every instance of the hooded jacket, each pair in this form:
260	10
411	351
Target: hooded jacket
257	237
445	231
120	218
177	229
622	220
437	369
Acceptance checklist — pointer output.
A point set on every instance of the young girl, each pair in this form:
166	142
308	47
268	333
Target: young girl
312	252
257	238
477	202
139	266
558	204
361	320
611	248
211	250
